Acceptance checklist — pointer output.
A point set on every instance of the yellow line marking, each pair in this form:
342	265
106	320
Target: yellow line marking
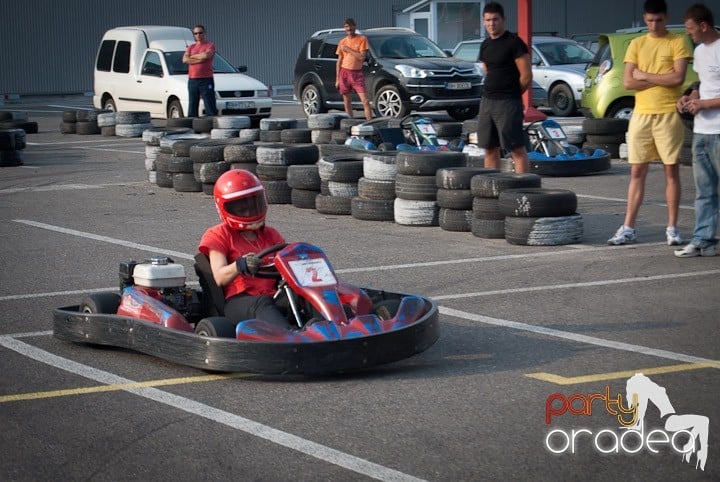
125	386
560	380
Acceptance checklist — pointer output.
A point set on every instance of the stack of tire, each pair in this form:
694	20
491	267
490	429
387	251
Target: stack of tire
271	128
241	155
151	138
13	119
174	156
455	198
273	161
487	220
415	185
322	127
304	182
203	125
132	123
228	126
69	122
376	188
606	134
12	145
452	132
209	163
339	177
106	122
540	217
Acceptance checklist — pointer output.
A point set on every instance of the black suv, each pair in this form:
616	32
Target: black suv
404	72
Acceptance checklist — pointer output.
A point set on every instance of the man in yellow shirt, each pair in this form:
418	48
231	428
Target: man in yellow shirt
351	52
655	66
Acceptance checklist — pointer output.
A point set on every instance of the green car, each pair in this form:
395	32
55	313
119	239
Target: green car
604	94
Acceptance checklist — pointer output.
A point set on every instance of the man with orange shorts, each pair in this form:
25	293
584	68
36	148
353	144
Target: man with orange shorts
351	52
655	65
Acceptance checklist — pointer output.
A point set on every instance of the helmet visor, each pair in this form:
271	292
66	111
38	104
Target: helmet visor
247	207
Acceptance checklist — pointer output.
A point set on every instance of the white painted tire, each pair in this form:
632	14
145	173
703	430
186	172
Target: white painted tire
416	213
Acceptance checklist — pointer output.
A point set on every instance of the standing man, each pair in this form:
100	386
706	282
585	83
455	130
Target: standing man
351	52
655	65
199	57
508	73
704	103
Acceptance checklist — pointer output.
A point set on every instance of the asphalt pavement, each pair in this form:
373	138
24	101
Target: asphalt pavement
536	344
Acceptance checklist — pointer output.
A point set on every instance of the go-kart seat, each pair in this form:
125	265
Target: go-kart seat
216	302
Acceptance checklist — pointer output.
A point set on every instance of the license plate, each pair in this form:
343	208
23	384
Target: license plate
240	105
457	85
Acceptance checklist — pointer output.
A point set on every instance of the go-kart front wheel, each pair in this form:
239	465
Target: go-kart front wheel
215	326
102	303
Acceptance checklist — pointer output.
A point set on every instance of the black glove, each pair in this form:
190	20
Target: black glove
248	264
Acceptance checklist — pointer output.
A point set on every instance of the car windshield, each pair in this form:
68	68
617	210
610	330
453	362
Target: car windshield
564	53
404	47
176	66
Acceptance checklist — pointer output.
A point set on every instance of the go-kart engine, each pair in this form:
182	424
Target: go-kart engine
163	277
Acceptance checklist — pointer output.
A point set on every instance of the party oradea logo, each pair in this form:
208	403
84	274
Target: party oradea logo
684	434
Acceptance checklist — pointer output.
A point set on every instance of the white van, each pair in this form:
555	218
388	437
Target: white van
140	69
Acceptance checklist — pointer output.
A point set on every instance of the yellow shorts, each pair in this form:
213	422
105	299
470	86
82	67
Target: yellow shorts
655	137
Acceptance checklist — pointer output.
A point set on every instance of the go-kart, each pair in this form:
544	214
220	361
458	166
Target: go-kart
332	326
551	154
412	133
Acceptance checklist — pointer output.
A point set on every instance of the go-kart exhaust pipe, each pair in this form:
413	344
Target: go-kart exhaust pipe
417	99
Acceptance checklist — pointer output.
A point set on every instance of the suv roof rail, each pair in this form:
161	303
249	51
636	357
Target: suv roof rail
330	30
397	29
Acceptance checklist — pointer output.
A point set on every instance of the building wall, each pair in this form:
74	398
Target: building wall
49	46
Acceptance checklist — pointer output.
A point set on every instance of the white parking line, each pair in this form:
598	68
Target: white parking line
108	150
67	187
299	444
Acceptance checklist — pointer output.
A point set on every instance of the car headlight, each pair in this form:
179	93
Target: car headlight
412	72
478	69
262	93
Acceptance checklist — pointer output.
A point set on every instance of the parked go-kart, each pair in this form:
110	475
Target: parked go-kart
551	154
332	326
413	133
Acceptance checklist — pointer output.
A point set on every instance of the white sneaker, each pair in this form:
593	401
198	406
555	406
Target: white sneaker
693	250
673	236
622	236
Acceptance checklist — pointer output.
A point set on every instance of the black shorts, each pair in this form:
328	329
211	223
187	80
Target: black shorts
500	123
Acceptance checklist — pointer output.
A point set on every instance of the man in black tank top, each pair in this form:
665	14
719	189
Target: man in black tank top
508	74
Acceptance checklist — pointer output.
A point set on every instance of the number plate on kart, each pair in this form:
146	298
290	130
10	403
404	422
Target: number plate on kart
312	272
458	85
426	128
240	104
555	133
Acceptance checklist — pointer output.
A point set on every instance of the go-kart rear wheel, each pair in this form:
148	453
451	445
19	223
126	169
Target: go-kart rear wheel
386	309
103	303
215	326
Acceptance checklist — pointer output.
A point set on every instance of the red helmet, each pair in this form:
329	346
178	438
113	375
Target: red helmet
240	199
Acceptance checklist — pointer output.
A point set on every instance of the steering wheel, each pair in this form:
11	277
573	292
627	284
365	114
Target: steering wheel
407	121
269	271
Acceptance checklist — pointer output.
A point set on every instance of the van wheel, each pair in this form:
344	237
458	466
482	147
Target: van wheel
109	104
388	103
175	110
312	101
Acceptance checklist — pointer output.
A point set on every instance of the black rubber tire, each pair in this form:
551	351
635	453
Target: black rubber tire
296	136
303	198
341	168
246	166
177	164
487	208
461	199
132	117
278	124
459	177
216	327
488	228
28	126
12	139
212	150
186	182
415	188
277	192
179	122
240	153
271	173
104	303
562	101
269	136
69	116
604	126
209	172
427	163
304	177
333	205
321	136
455	219
491	185
163	178
544	231
68	127
376	189
537	202
202	124
372	209
287	154
107	131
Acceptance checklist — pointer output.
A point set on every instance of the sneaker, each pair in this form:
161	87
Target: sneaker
673	236
693	250
623	235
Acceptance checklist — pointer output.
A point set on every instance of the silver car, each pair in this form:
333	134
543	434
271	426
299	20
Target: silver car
558	65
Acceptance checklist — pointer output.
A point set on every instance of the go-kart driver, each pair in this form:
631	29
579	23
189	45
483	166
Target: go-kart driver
232	246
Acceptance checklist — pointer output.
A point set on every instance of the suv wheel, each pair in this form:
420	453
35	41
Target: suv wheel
464	113
312	101
389	104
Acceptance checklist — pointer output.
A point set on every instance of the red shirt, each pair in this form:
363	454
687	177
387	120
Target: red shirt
233	245
203	70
